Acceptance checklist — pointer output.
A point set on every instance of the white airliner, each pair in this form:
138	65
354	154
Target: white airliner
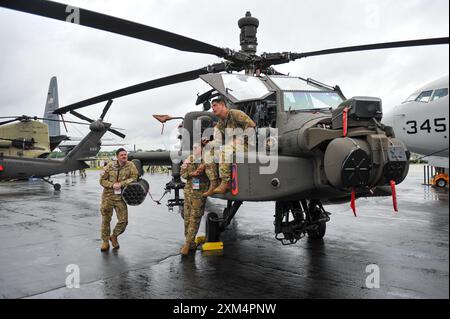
421	121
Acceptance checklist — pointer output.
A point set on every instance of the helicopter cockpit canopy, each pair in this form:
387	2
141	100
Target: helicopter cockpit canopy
238	88
297	93
300	94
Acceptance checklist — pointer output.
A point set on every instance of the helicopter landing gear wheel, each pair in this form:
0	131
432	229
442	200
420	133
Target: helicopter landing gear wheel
212	228
319	218
56	186
319	232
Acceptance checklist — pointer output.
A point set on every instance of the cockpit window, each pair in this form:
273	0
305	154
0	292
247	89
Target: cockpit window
411	98
243	87
292	84
302	100
424	96
439	93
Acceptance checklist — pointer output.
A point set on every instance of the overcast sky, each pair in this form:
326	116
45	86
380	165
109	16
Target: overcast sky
88	62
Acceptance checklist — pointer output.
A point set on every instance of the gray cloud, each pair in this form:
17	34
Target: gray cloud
89	62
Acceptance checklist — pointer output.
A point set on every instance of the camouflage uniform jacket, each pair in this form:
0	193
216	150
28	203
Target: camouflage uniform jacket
191	168
235	119
113	173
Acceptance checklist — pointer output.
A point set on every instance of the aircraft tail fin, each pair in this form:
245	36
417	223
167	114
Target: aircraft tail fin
50	105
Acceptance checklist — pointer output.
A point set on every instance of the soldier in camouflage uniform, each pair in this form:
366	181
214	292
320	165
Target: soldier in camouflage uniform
193	171
114	177
228	119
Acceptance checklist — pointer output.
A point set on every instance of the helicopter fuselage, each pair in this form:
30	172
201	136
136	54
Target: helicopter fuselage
311	156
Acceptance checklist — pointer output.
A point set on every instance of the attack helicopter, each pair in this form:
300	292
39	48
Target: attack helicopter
330	148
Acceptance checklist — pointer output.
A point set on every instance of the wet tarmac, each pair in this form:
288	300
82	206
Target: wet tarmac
44	233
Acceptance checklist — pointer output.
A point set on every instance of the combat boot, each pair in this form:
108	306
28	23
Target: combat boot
222	188
185	249
212	185
105	245
114	241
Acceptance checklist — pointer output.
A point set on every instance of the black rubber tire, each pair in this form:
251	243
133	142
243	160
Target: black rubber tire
318	233
212	228
57	187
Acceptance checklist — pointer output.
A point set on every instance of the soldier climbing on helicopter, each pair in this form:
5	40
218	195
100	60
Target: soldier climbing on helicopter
235	120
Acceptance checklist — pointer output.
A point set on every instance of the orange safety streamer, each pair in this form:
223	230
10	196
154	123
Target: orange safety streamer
394	195
345	121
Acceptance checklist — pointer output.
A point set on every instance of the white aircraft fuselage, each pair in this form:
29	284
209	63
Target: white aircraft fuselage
421	122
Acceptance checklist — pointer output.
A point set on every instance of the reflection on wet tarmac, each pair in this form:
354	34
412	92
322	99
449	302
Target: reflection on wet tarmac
42	231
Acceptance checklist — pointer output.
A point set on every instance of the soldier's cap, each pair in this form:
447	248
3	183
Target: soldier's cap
120	150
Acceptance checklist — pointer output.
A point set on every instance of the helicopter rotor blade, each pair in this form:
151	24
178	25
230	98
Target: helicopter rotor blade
168	80
9	121
71	14
81	116
116	132
64	122
106	108
376	46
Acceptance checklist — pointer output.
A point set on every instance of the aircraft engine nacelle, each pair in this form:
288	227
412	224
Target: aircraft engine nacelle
373	160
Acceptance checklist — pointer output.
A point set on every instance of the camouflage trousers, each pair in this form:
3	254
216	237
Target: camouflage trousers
194	208
106	210
223	169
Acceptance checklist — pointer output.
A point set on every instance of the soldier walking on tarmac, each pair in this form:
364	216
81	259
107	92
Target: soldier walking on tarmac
114	177
193	171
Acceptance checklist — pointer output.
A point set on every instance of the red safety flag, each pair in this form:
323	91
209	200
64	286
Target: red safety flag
394	195
344	120
353	202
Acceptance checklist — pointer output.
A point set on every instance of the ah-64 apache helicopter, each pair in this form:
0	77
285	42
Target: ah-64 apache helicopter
330	148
